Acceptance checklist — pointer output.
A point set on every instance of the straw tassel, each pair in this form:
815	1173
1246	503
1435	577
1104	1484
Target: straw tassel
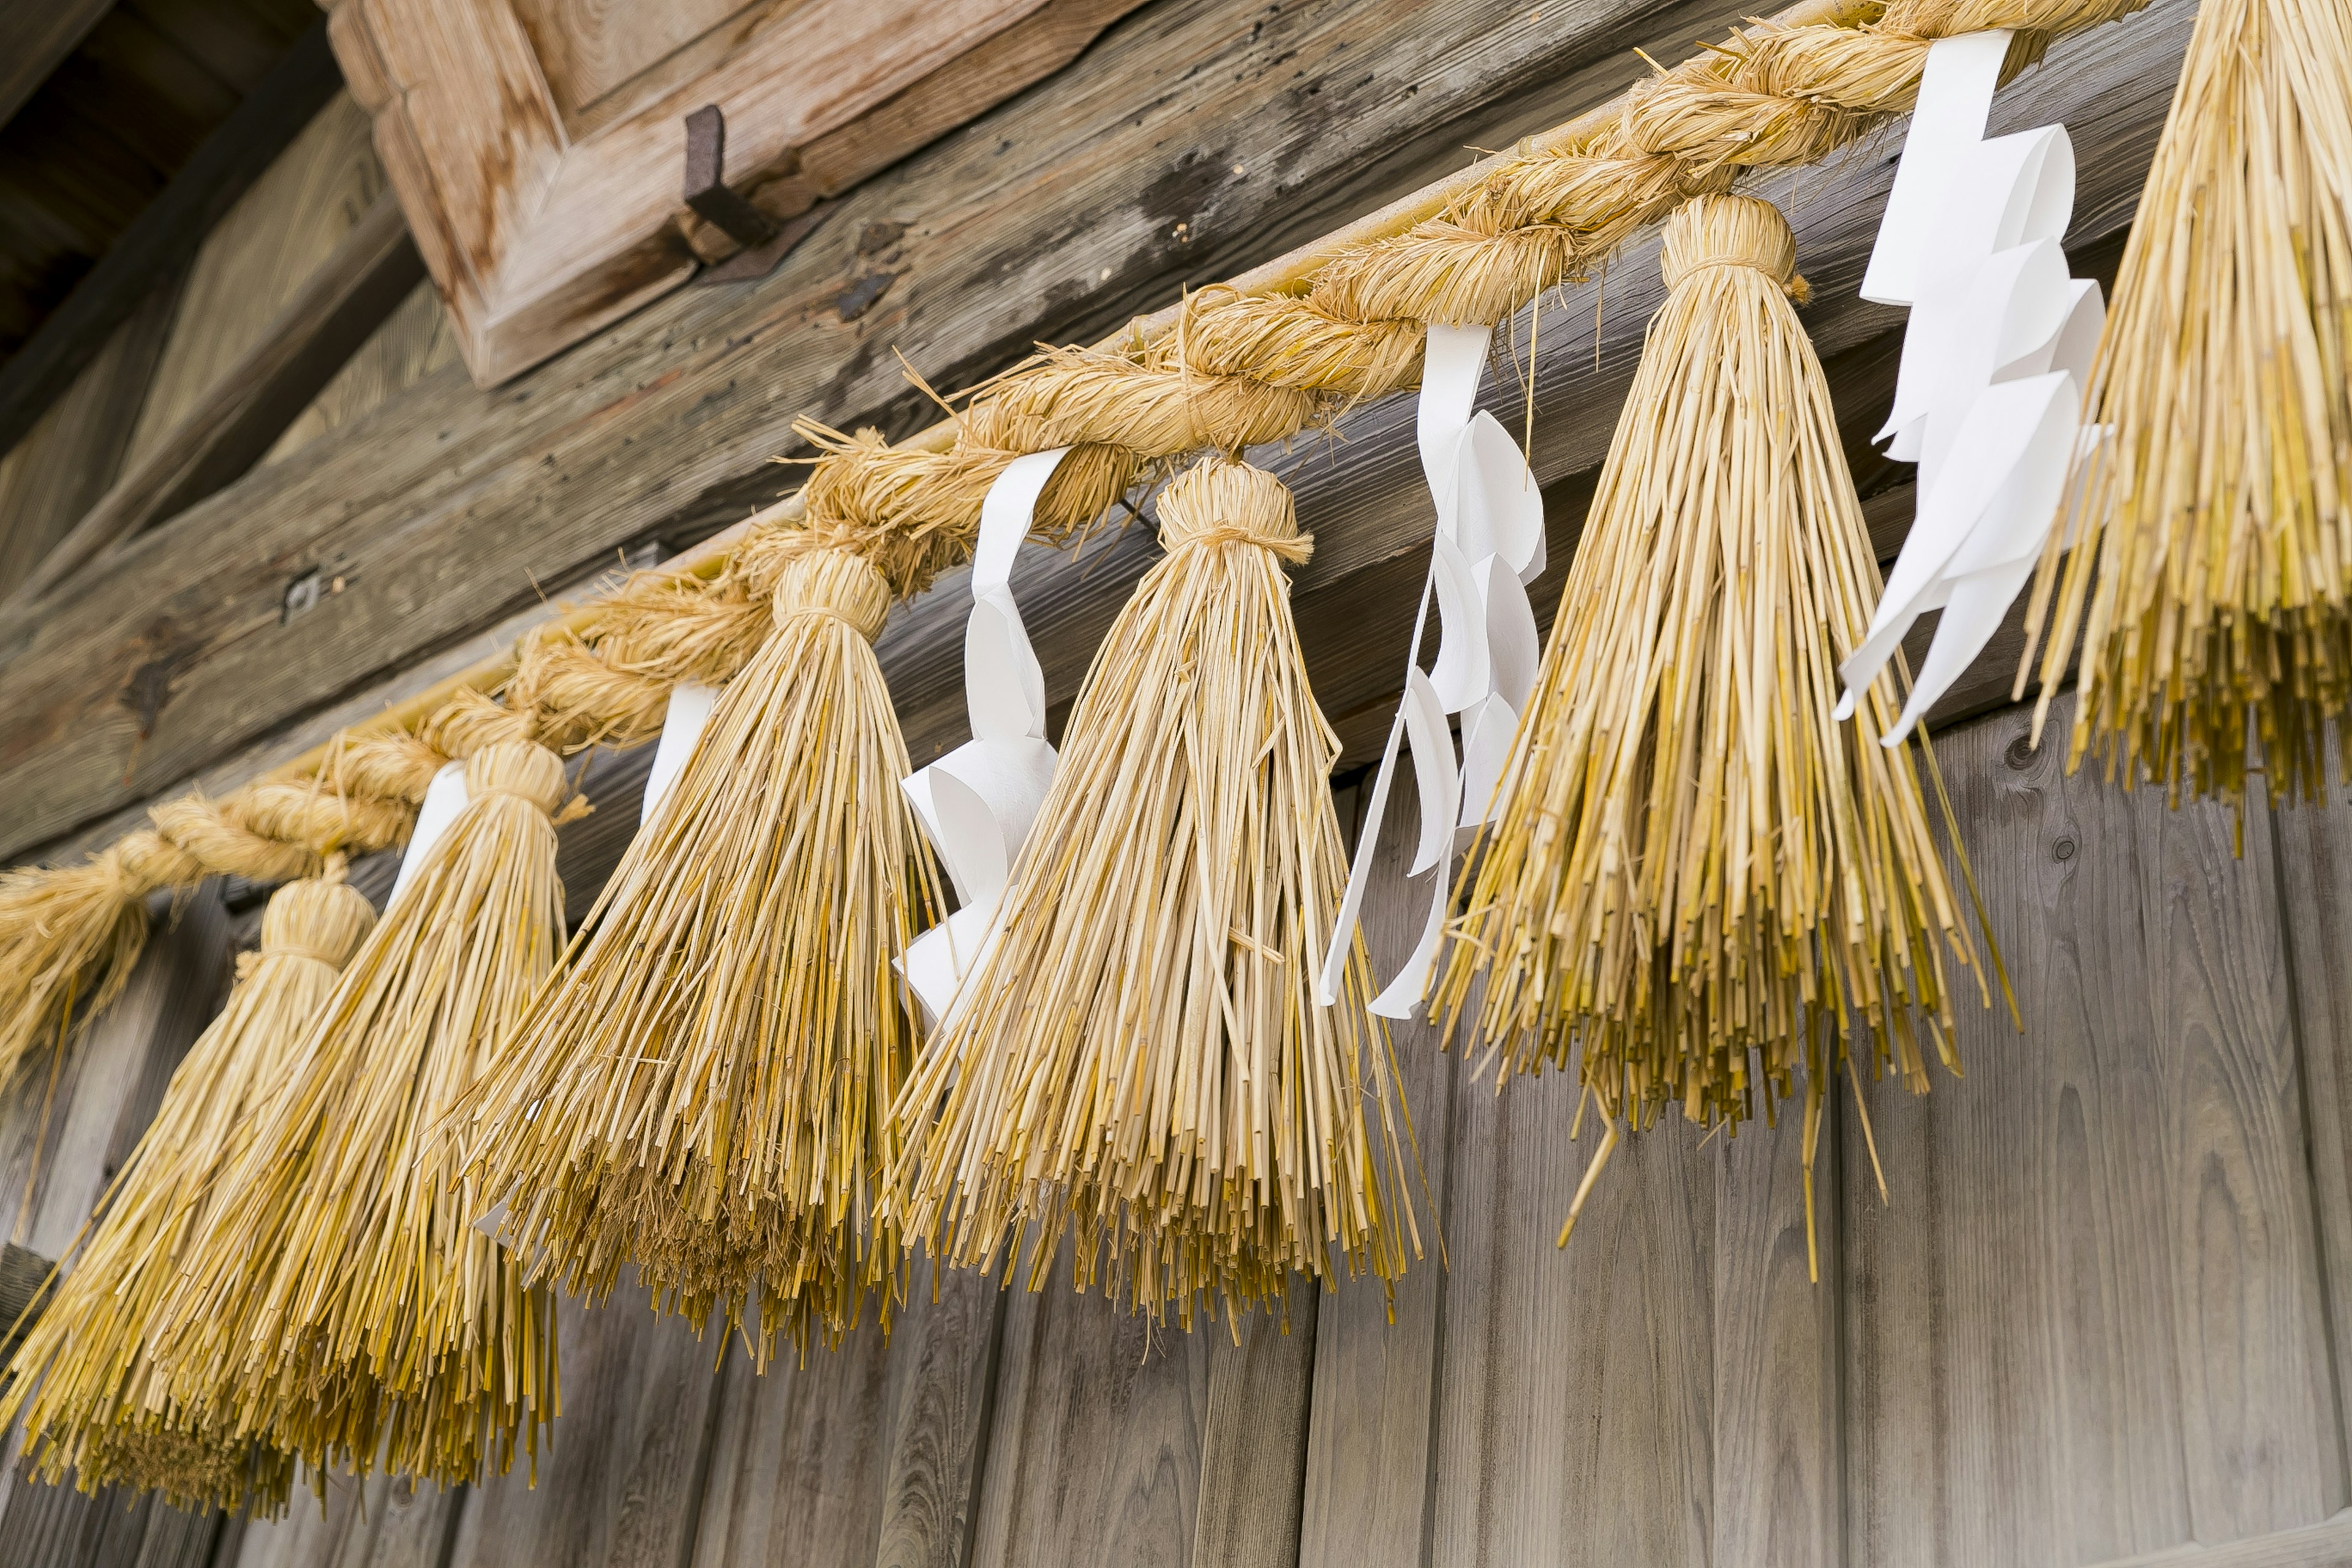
2220	503
1139	1057
704	1091
92	1398
343	1307
1692	861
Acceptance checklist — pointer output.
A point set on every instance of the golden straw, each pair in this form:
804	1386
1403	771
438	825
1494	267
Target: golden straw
343	1307
1139	1057
2218	511
704	1087
1697	873
93	1401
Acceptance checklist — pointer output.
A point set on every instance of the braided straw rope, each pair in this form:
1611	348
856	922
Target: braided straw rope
1231	369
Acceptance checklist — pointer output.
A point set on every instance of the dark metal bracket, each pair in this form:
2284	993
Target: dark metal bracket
765	241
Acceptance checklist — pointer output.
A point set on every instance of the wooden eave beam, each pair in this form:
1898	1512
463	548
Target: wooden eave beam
167	229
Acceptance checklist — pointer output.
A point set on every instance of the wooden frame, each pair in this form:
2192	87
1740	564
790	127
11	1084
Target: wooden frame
542	220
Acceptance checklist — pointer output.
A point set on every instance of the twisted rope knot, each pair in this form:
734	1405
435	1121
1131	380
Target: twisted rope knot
825	582
523	769
1223	500
1737	232
316	918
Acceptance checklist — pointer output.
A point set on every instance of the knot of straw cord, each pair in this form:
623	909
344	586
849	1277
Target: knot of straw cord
1708	232
316	918
832	582
1221	500
1229	502
523	769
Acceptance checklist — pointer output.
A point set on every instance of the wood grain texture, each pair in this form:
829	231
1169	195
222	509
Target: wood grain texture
2095	1295
539	231
860	1456
257	257
156	243
2324	1545
590	47
252	400
1373	1407
379	1523
69	456
65	1136
413	342
2314	880
1254	1443
1093	1455
623	1483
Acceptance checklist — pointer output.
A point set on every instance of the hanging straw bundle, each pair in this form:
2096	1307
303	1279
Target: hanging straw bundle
1141	1058
342	1307
2220	501
93	1400
1694	860
704	1090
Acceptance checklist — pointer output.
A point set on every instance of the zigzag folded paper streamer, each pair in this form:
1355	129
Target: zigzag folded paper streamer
690	702
1988	400
445	797
977	802
1490	544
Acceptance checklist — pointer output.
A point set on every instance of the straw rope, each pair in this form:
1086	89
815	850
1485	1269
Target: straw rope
1234	370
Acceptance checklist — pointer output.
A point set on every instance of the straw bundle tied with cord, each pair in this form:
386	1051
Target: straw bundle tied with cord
2214	587
1342	320
92	1398
342	1307
1138	1057
1694	860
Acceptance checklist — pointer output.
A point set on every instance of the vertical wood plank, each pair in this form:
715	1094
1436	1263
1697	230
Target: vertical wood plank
1577	1385
621	1482
1093	1455
1376	1389
379	1523
65	462
257	256
1254	1443
863	1455
2315	870
66	1135
2088	1322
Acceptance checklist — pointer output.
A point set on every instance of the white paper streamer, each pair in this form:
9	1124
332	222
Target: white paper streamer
445	797
1988	400
1488	545
683	721
978	803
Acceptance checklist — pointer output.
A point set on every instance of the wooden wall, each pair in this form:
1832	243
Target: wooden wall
2099	1315
2103	1313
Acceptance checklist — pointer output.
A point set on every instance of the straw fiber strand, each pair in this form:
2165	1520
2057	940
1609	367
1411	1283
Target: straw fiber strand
1139	1057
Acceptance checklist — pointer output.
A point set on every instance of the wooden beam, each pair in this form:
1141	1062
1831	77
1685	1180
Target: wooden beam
160	237
35	39
361	282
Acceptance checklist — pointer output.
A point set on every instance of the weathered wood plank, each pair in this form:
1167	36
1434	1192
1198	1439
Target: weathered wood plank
1253	1441
1366	1499
2327	1546
1095	1449
622	1483
864	1455
254	398
157	241
2094	1295
380	1523
413	342
2315	880
441	509
69	456
69	1123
